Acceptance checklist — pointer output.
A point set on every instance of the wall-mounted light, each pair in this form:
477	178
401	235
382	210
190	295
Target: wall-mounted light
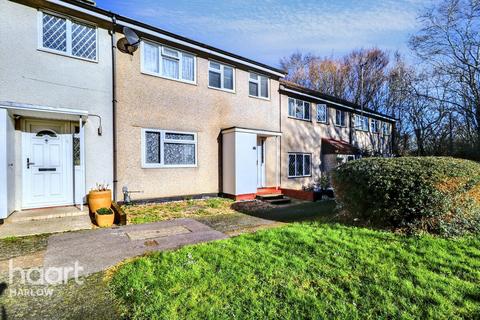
99	130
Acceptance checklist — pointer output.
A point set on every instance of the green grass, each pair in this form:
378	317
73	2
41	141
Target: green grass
138	214
306	270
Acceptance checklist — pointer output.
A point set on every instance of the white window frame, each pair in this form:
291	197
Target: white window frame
303	154
163	140
361	123
69	21
323	105
386	128
259	83
377	124
222	76
344	125
303	104
160	66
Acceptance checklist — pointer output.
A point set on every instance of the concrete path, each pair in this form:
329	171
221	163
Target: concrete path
51	225
97	250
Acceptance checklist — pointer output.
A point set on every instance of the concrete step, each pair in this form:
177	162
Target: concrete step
45	214
54	225
284	200
271	196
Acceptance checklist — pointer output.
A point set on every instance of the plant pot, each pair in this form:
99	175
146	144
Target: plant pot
104	220
99	199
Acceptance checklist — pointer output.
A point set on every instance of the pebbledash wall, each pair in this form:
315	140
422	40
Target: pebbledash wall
152	102
30	75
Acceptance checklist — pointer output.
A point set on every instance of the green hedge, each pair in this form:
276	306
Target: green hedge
429	194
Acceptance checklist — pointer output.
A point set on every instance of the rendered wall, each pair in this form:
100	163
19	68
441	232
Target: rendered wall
31	76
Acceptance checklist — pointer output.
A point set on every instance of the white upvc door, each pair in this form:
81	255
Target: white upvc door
47	169
260	162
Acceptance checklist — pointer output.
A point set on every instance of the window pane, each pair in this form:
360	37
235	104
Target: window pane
170	52
306	107
291	165
228	78
188	67
253	89
307	165
299	109
54	33
176	153
76	151
321	113
299	161
150	58
179	136
264	87
291	107
253	76
214	79
152	147
84	41
214	65
170	68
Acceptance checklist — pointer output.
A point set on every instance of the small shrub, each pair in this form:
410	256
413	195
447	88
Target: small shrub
429	194
104	211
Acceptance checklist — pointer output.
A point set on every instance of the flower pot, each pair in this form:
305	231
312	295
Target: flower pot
104	220
99	199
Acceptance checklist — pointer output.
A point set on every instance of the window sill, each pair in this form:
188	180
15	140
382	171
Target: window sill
299	177
65	54
144	166
322	122
340	126
305	120
261	98
223	90
153	74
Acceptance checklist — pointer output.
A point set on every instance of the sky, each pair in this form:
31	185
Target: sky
268	30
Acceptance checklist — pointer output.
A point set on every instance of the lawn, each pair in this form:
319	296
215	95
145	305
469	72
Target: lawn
146	213
306	270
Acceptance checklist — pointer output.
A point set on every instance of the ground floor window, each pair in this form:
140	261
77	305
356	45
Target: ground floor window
162	148
299	165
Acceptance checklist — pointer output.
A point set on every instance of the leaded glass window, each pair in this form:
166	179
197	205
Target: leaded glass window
67	36
299	165
165	148
298	109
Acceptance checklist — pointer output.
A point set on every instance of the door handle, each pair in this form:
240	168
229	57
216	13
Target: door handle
29	163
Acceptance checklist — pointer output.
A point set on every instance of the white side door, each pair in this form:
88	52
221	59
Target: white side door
47	169
260	163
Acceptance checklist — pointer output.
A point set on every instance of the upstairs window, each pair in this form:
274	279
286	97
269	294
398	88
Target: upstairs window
299	165
298	109
220	76
69	37
340	118
374	125
386	127
258	86
361	122
168	63
322	113
162	148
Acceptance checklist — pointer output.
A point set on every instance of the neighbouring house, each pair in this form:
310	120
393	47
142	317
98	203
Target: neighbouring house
55	94
175	118
320	132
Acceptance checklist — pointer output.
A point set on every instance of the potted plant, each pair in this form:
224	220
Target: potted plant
325	185
99	197
104	217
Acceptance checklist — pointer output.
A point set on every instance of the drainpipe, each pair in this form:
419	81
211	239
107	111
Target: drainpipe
114	105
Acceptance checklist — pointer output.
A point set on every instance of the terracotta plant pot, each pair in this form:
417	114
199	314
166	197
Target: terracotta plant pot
104	220
99	199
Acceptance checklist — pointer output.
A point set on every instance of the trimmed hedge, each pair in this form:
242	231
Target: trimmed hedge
430	194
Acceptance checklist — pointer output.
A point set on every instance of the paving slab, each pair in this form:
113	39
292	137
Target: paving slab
34	227
97	250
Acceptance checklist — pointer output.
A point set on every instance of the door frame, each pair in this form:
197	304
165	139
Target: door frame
62	128
261	162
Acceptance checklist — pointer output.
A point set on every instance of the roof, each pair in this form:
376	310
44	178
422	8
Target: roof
332	146
166	35
334	100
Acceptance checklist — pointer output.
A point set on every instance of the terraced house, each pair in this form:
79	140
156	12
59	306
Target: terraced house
174	118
